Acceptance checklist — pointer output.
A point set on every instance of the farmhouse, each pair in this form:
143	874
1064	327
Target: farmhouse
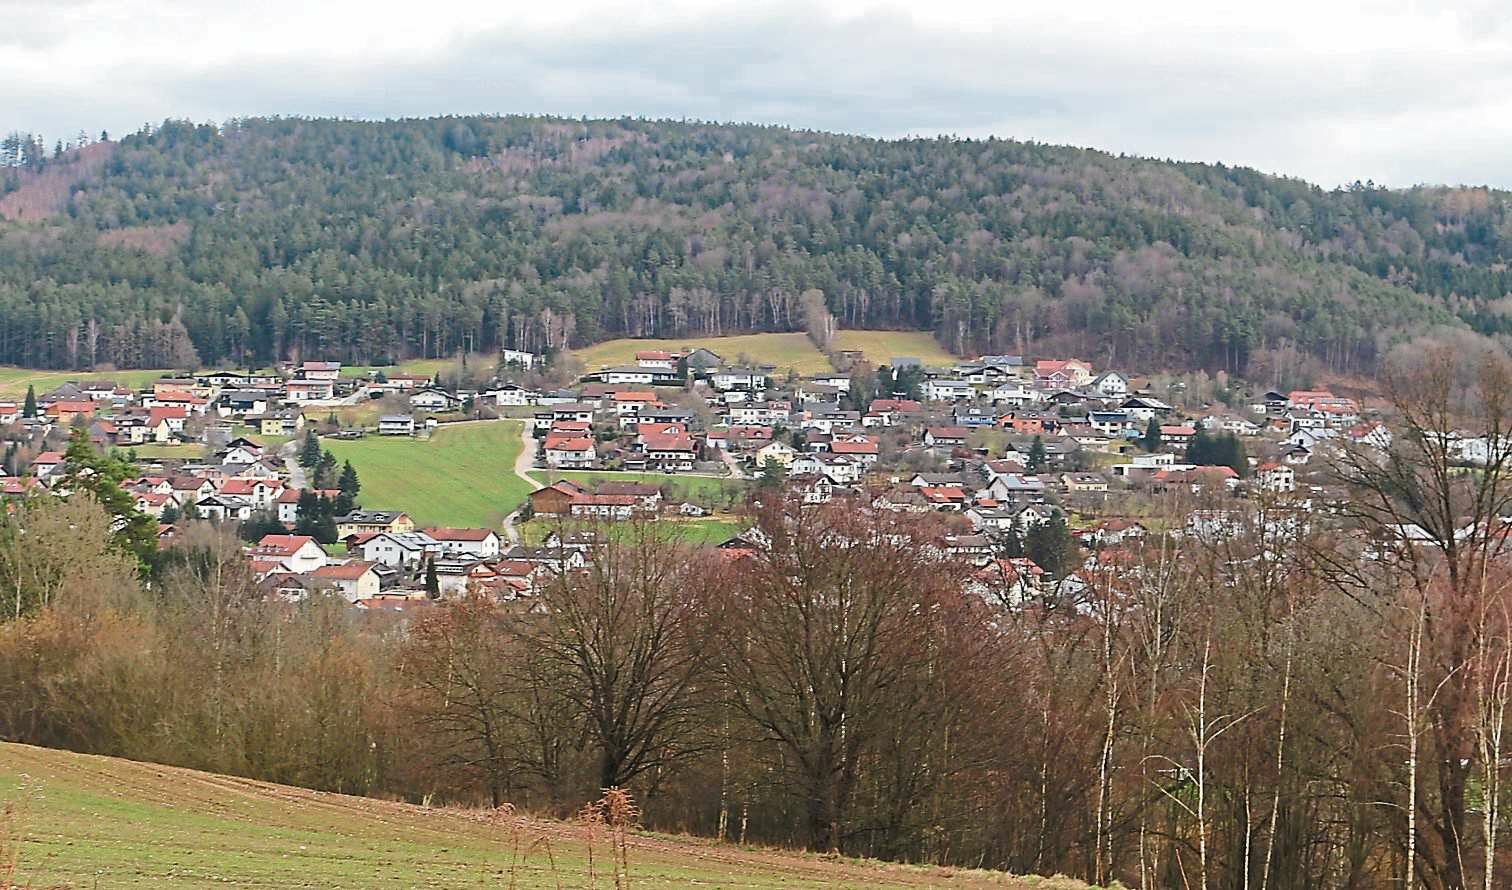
555	499
604	506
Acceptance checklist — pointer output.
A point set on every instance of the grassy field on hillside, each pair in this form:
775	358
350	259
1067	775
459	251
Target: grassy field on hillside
785	351
155	451
86	821
13	381
793	351
881	347
461	476
699	489
697	532
426	366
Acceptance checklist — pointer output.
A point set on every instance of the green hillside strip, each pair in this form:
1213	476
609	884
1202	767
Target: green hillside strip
783	351
88	821
462	476
881	347
695	532
14	381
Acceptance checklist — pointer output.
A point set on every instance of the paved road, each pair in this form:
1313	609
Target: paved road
733	463
290	451
522	466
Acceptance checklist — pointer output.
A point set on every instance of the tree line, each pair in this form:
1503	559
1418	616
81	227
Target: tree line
269	238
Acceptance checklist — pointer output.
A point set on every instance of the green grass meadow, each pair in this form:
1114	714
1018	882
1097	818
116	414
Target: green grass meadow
462	476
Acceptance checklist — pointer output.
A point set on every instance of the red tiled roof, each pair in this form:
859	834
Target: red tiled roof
949	432
459	534
281	545
346	571
577	444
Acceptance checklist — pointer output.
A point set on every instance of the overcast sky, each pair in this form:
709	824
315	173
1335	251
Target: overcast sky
1330	90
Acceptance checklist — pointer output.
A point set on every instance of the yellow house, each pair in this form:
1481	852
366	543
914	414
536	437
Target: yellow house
780	452
281	423
361	522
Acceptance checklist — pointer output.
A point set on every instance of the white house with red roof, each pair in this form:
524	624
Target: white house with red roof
1069	373
165	422
946	436
299	554
657	358
1176	434
260	493
309	390
1276	477
327	371
889	412
863	448
569	451
46	464
479	543
668	445
1007	581
173	398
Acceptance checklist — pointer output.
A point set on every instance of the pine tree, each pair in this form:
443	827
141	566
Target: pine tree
309	453
349	484
326	531
325	471
1036	456
432	581
1200	450
1230	453
1051	546
102	475
170	513
29	408
1151	440
306	513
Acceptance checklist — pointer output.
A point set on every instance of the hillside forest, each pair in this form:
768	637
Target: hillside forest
279	238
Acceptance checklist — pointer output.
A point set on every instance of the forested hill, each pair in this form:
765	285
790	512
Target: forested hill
276	238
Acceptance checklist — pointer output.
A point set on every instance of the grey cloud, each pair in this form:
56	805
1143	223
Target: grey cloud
1279	109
